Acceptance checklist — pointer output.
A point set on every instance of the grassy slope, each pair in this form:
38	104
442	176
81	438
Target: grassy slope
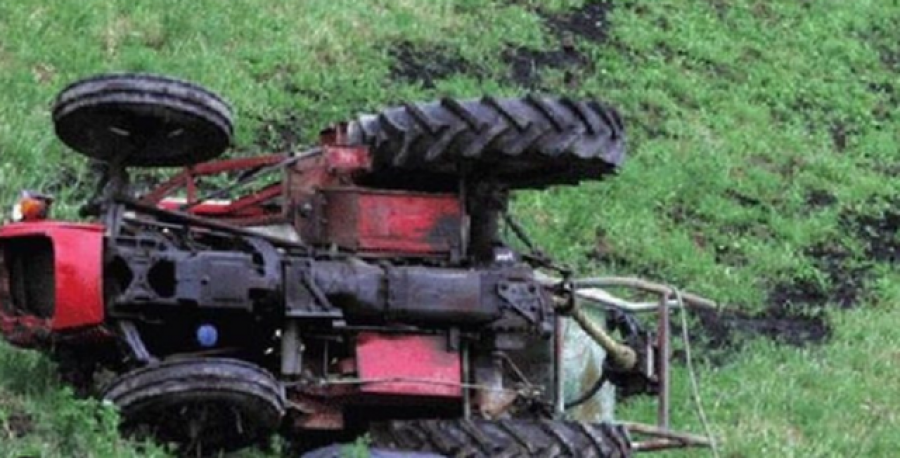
764	138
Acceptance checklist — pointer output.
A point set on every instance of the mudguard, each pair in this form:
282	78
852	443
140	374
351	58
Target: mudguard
66	258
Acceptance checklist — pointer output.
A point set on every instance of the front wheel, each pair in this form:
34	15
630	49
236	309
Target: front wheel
200	404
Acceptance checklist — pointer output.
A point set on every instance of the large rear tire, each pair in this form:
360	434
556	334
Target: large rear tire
526	142
505	438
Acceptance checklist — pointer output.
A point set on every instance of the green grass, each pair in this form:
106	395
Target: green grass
727	102
40	418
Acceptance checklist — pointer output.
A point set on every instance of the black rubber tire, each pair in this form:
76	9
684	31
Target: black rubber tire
340	451
527	142
504	438
153	400
146	120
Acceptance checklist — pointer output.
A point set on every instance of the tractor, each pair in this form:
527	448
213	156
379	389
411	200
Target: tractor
375	284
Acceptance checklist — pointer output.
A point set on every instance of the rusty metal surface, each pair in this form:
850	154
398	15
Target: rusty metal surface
316	412
345	159
260	207
334	166
249	207
398	223
195	222
188	176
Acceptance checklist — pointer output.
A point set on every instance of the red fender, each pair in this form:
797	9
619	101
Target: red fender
78	270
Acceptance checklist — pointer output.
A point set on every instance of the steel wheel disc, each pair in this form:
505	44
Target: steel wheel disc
142	120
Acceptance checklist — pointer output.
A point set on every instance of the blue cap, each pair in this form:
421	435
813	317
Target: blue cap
207	335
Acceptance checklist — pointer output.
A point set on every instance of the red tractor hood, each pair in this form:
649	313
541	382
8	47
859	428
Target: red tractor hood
50	278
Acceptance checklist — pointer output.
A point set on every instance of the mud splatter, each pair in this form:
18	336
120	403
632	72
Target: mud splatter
878	231
16	422
795	314
428	63
818	199
781	323
589	22
526	65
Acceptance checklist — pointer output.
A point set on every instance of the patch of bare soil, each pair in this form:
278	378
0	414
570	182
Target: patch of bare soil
16	422
526	65
428	63
818	199
728	329
567	27
878	231
795	309
589	22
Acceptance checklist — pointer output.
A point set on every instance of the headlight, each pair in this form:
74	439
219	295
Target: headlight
32	206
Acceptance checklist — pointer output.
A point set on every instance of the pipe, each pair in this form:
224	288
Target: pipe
603	297
593	289
644	285
663	343
466	377
624	356
291	357
665	438
198	221
559	402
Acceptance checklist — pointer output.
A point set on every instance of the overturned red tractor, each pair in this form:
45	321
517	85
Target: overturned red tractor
362	286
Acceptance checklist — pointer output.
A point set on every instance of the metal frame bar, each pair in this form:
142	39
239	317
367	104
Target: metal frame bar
663	341
591	290
187	177
663	438
247	210
190	220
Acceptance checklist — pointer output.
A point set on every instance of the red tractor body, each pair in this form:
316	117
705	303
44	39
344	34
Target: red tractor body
52	278
366	288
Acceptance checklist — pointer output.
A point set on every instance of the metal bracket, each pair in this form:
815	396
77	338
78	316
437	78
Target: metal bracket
523	298
135	343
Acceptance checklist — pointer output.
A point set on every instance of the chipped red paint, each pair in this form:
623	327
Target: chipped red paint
347	159
422	358
392	222
77	265
249	210
317	413
258	208
186	179
24	331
